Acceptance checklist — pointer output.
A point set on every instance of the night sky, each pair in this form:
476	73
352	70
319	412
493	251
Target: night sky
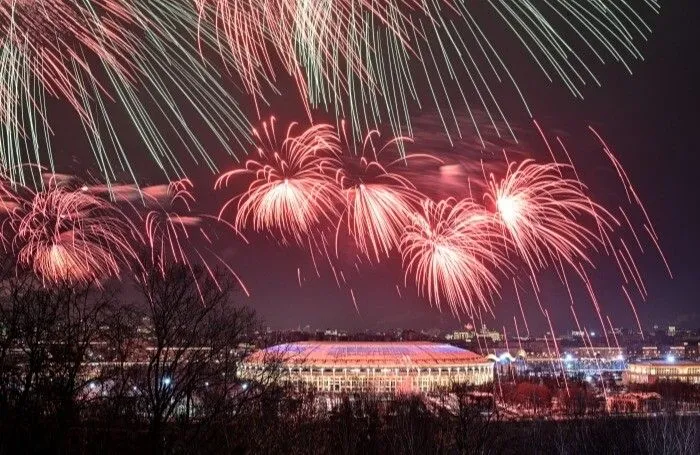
650	119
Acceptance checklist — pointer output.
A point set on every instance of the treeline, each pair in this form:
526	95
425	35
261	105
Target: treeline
83	371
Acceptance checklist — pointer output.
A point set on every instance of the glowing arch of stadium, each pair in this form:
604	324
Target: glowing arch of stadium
342	367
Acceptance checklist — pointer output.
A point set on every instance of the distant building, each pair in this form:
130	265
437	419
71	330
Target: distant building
691	350
678	352
632	402
383	367
493	335
650	372
461	336
597	352
650	352
469	335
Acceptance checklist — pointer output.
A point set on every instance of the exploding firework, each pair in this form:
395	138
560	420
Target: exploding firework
452	251
165	227
292	190
365	57
69	235
106	59
545	213
457	251
176	235
378	203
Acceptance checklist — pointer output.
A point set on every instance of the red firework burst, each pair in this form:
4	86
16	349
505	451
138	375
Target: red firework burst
451	249
69	235
378	203
292	190
543	213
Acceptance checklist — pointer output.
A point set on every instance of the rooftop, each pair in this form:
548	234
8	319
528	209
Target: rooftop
667	363
368	354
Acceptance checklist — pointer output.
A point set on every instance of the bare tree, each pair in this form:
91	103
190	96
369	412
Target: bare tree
49	335
669	434
196	343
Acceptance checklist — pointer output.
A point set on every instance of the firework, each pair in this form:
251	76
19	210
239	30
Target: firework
69	235
46	33
169	229
544	213
107	59
377	203
309	38
452	251
364	57
292	190
166	228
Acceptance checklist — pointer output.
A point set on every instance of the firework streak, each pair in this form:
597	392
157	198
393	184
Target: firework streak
136	63
365	59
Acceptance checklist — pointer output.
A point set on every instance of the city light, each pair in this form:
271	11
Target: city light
506	357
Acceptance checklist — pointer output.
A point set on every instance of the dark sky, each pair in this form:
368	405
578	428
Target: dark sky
651	120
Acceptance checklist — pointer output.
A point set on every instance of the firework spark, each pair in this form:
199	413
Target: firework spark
544	212
451	249
176	235
52	37
69	235
165	227
292	190
364	57
105	59
378	203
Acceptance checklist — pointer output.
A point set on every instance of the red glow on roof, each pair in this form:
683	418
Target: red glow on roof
358	354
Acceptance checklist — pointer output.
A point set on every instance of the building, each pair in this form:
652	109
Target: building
461	336
384	367
632	402
677	352
670	369
469	334
650	352
596	352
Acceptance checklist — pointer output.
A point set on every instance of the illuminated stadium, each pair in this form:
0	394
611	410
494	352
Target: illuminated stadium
373	366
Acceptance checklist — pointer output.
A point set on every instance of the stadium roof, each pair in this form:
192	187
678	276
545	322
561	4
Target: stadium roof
370	354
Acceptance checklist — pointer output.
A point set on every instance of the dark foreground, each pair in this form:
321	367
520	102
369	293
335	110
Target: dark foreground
405	426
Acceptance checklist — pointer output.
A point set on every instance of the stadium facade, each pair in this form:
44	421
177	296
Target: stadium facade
382	367
650	372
